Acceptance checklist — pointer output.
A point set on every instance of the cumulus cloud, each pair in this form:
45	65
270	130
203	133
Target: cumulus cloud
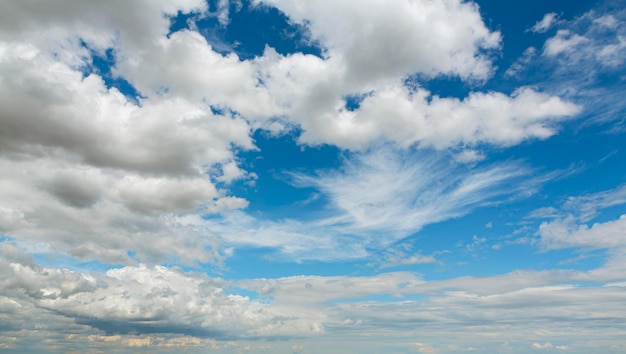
417	117
569	225
141	299
313	90
87	172
185	65
100	25
568	233
436	37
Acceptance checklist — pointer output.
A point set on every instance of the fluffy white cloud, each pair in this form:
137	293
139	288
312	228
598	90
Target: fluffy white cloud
313	90
417	117
568	227
61	25
568	233
83	169
148	300
378	40
185	65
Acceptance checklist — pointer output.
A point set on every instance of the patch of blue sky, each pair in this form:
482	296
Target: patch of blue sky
250	28
102	64
252	295
353	102
521	18
443	86
254	262
273	193
58	260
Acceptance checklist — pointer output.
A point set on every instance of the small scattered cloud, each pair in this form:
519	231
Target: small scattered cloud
469	156
426	348
547	22
564	42
540	346
516	69
567	233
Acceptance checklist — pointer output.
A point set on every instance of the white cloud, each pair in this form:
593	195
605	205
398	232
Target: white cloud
376	198
185	65
540	346
520	64
564	42
568	233
395	258
391	190
575	61
586	207
592	43
568	229
312	90
608	21
86	172
469	156
426	348
612	54
59	26
386	40
548	20
398	114
94	175
128	306
149	300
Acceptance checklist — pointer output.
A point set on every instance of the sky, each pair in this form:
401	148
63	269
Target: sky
246	176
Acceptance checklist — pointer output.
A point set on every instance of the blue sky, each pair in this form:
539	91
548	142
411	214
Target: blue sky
401	176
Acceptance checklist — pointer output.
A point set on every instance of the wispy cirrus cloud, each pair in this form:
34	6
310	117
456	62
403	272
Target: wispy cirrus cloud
568	227
376	198
579	58
543	25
